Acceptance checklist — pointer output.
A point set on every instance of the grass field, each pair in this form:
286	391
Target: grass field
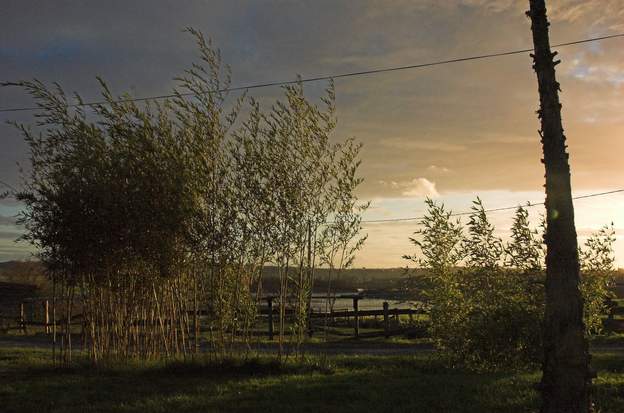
417	383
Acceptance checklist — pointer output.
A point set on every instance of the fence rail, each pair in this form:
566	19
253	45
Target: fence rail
352	316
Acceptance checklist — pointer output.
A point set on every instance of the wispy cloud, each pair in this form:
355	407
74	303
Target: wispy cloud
417	187
417	143
420	187
438	170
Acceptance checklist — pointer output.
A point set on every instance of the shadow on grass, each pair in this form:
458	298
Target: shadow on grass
317	384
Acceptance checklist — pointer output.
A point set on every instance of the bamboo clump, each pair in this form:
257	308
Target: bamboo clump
157	221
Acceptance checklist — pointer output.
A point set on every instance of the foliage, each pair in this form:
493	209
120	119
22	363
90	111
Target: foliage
145	213
439	241
486	297
597	277
501	308
525	251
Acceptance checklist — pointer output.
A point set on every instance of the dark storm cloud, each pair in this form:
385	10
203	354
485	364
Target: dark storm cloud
409	117
470	118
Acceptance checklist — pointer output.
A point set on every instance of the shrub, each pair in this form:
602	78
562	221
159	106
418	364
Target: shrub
487	313
597	277
486	298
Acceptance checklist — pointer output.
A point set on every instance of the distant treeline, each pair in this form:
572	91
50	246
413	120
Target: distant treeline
350	280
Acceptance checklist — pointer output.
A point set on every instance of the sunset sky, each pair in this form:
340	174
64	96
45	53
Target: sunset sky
450	132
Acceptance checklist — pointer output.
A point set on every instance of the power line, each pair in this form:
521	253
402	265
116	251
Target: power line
321	78
458	214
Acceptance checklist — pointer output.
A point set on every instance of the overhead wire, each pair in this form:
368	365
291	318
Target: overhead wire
351	74
319	78
507	208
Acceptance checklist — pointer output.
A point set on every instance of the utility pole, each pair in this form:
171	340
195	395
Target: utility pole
566	377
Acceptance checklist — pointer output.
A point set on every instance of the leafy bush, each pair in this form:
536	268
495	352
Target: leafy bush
146	212
597	277
486	297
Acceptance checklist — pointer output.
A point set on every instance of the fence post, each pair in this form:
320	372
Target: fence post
310	326
270	303
46	308
385	321
22	318
356	316
611	306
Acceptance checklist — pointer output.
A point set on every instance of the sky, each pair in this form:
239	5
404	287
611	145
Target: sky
450	132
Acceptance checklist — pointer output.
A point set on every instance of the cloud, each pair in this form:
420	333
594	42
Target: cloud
602	12
476	119
438	170
611	73
419	187
506	139
417	143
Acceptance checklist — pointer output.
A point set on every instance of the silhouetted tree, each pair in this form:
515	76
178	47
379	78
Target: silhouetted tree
146	211
566	375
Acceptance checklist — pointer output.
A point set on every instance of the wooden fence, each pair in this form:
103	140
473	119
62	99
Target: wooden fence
355	314
39	313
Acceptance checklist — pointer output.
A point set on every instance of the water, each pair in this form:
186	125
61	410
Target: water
318	304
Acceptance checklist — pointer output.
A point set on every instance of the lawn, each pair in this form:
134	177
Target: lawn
30	383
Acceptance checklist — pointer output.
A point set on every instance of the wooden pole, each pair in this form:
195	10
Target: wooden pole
310	326
356	316
566	376
22	318
270	303
46	309
54	319
195	318
386	315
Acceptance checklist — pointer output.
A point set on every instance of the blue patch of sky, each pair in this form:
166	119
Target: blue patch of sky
53	50
580	71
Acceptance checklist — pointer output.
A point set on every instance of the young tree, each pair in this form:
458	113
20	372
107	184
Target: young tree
440	245
144	212
440	242
566	375
483	249
597	277
483	315
501	316
524	252
339	240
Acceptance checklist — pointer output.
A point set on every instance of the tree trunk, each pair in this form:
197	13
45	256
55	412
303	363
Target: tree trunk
566	376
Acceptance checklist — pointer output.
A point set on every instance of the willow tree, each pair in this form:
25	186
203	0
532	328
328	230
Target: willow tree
566	375
216	234
107	207
127	203
301	163
340	239
145	212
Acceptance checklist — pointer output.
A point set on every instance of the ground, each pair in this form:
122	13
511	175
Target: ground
339	383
